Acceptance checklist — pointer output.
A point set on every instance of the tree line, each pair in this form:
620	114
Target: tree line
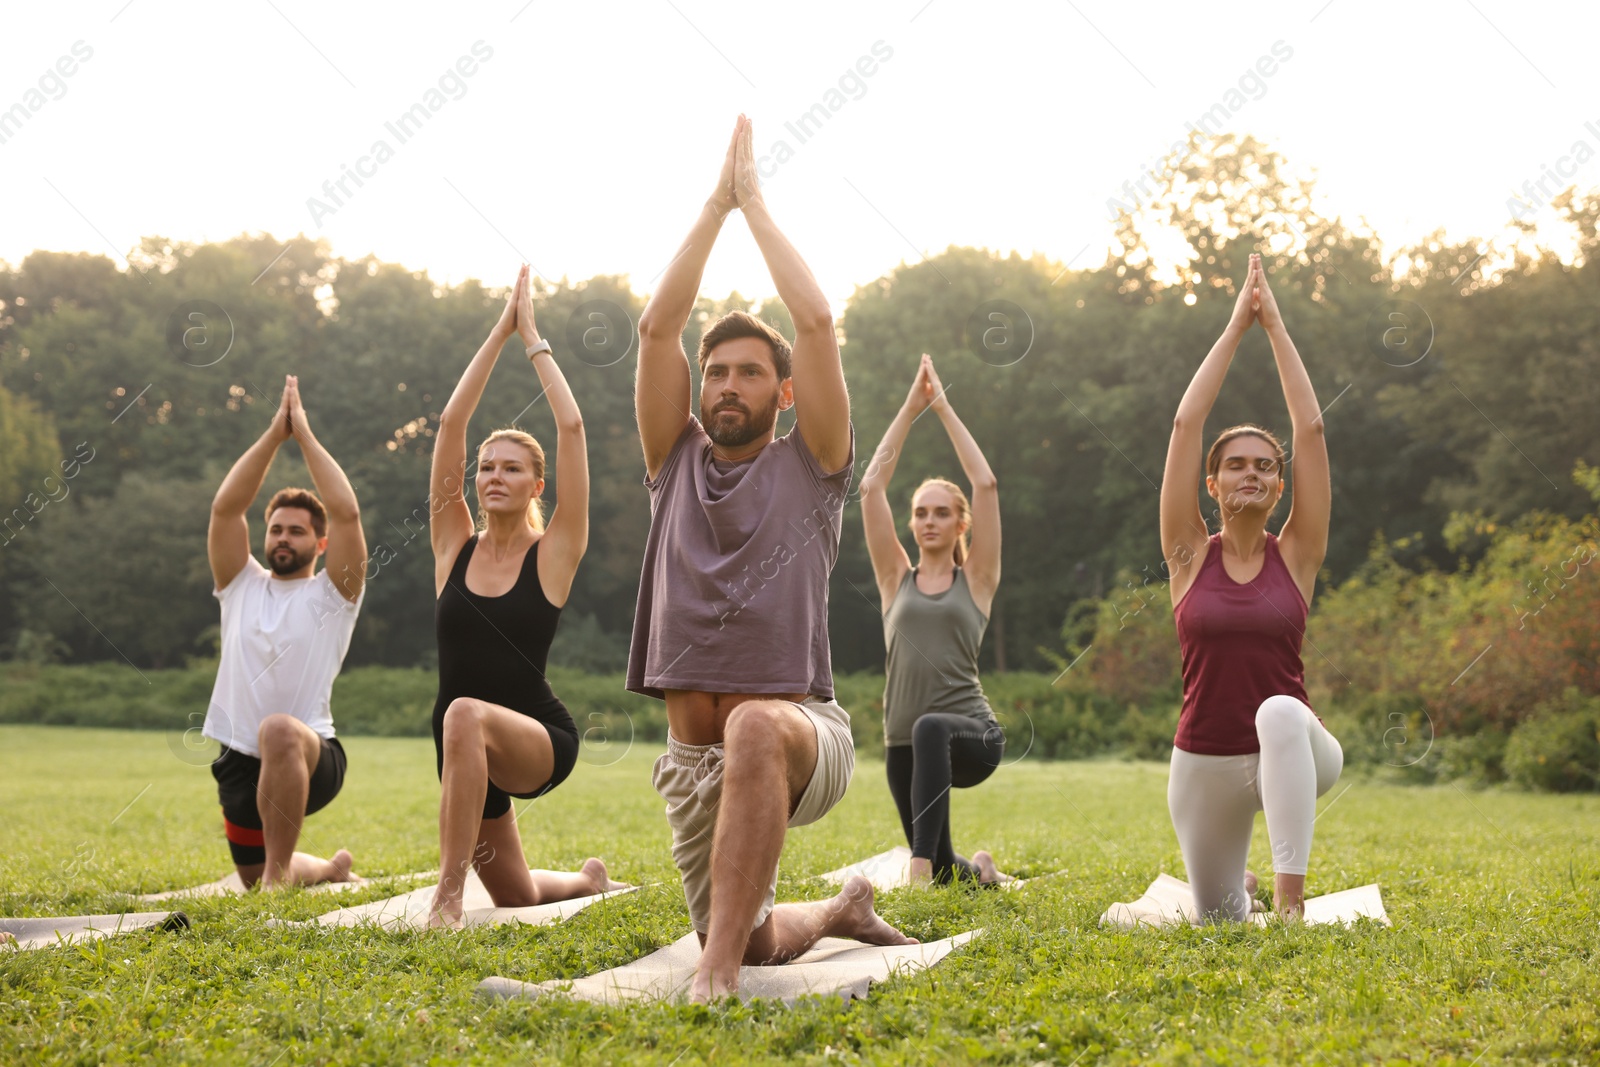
1453	382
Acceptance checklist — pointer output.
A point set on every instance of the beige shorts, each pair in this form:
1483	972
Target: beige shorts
689	779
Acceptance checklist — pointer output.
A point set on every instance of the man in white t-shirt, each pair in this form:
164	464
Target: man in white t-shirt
284	636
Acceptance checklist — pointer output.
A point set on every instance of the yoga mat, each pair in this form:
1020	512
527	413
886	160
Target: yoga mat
1168	901
892	870
409	911
836	966
887	870
232	885
45	931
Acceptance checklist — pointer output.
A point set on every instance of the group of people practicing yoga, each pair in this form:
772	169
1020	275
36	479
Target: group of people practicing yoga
731	628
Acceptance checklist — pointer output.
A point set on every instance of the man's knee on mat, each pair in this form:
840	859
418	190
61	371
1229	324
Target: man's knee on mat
770	740
284	739
755	730
279	735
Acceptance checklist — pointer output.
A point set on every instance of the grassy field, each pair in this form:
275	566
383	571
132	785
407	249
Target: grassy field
1495	899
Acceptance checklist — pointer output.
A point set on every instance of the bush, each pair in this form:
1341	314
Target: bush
1478	757
104	694
582	644
1558	750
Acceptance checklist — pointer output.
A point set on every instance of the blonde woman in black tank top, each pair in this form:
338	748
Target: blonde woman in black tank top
499	730
939	732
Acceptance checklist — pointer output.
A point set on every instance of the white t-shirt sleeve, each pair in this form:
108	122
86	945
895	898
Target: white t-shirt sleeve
252	571
332	600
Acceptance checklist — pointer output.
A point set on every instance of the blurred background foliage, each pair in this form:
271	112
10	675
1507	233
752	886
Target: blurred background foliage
1454	628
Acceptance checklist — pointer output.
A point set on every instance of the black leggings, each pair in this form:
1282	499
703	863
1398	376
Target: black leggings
945	751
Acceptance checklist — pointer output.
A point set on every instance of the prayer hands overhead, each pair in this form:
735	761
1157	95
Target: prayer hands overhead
282	424
523	291
1244	307
926	390
724	198
295	411
507	324
1266	305
746	180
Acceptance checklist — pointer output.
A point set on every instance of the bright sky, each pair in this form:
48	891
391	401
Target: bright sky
588	134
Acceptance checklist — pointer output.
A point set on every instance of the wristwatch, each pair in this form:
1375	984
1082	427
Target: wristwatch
538	346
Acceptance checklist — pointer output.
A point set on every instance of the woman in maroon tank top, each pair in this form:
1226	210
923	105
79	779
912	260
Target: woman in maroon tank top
1247	738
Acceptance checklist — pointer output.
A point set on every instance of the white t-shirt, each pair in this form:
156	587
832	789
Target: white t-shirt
283	642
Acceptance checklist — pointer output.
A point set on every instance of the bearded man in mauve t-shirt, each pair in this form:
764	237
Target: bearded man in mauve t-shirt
731	628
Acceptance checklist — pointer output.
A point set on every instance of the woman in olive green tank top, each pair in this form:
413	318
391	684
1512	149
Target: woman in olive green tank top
939	731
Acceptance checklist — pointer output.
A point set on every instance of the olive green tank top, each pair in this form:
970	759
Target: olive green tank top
933	641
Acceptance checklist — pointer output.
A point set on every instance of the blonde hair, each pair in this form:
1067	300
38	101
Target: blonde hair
963	510
518	437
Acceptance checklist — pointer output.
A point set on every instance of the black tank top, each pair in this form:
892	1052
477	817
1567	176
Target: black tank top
494	648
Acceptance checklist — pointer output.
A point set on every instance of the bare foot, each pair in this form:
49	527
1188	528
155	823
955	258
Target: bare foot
594	869
987	872
1250	881
856	917
341	866
921	871
6	938
701	990
1289	895
444	914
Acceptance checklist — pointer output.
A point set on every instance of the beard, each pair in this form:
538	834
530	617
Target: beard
731	433
290	563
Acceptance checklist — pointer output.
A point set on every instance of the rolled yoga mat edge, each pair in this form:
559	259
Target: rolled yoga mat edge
47	930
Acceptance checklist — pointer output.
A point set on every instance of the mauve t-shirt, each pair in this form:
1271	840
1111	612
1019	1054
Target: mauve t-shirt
733	595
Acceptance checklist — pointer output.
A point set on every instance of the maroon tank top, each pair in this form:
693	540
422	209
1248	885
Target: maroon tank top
1240	645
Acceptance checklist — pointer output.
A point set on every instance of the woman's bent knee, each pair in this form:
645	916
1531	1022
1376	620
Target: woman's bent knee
1279	717
463	720
929	729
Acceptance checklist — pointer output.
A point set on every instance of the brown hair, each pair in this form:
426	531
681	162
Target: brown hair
1244	429
300	498
963	510
737	324
518	437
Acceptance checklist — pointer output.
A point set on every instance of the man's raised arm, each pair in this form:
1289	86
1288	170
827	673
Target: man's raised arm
662	389
228	535
821	401
346	558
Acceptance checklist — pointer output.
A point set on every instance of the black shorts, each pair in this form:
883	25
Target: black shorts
237	774
557	722
564	746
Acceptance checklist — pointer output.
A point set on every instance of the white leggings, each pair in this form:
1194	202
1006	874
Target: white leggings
1214	799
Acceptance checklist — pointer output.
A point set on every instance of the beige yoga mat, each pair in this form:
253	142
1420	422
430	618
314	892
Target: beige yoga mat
232	885
45	931
887	870
409	911
892	870
836	966
1168	901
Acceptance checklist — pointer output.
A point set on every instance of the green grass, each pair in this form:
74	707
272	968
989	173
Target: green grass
1492	956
